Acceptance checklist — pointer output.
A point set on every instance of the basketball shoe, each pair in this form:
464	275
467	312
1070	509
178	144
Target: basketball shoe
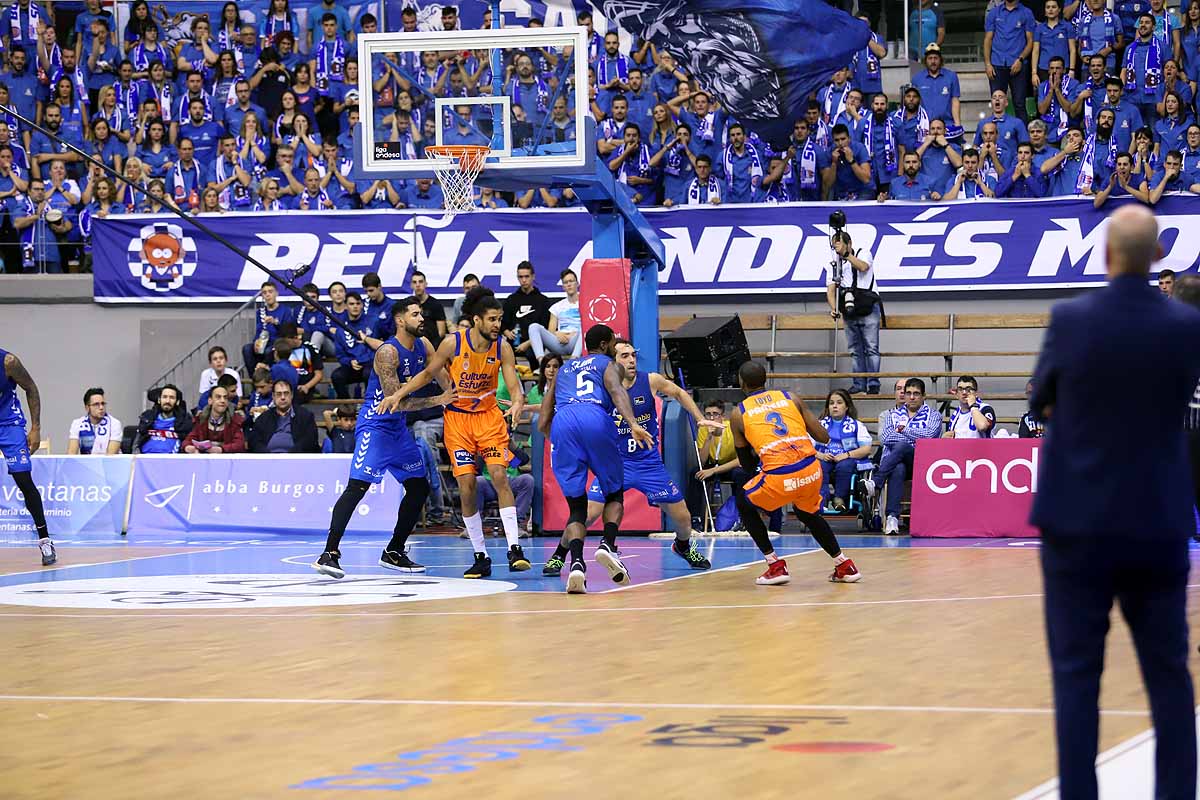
776	574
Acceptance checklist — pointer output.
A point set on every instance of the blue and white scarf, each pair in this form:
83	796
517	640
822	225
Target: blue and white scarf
620	64
275	26
843	437
922	122
674	160
806	163
55	65
987	167
330	67
14	23
129	97
595	47
76	76
958	412
115	120
822	133
890	156
1087	171
831	110
1154	60
872	59
228	40
712	188
543	93
235	195
756	170
706	126
643	164
274	205
1056	110
314	203
185	103
162	96
260	169
142	58
918	420
1083	24
182	193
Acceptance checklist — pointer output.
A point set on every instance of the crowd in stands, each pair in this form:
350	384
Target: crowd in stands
244	117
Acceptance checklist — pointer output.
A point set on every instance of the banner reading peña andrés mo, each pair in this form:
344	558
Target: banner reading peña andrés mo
725	252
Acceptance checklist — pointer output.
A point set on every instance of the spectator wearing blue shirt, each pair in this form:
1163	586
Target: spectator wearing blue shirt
380	193
529	93
1128	117
205	136
995	157
103	58
1010	129
424	193
1190	149
268	317
39	237
881	135
354	355
1058	99
743	168
314	197
1142	69
24	91
854	116
1037	140
971	183
640	102
1170	177
677	161
327	63
630	166
185	179
1101	149
1024	180
229	176
340	426
912	120
612	72
851	167
20	23
1189	40
1123	182
940	160
939	89
1092	92
1128	12
1064	167
909	185
1099	31
666	78
1170	132
198	55
105	146
43	149
708	128
335	177
193	92
865	66
1007	43
926	26
237	112
1053	37
835	97
84	29
1173	81
461	130
317	12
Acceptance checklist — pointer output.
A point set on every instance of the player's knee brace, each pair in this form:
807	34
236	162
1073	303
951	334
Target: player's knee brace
616	497
577	508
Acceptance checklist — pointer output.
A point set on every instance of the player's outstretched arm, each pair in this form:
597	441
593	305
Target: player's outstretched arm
443	377
811	423
16	370
660	384
508	369
615	385
437	363
387	364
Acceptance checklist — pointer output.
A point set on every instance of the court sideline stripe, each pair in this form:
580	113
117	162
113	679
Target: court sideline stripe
546	704
698	573
522	612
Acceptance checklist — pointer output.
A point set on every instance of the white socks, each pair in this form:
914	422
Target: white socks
474	525
508	516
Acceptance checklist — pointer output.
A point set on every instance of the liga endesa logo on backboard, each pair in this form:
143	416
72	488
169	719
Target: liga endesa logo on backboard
162	257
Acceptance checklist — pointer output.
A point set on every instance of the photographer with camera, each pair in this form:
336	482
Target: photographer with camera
852	295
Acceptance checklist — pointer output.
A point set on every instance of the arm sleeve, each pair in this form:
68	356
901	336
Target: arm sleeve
887	431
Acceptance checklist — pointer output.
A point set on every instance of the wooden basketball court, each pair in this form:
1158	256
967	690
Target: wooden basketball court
929	679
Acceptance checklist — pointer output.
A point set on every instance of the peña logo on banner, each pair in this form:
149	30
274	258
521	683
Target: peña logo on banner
162	256
725	252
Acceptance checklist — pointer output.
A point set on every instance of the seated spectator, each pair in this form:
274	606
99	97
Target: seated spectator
522	484
850	167
232	384
284	428
1037	141
1127	116
260	400
339	425
303	359
973	419
218	365
354	355
313	197
1174	81
1166	282
335	178
268	317
185	180
230	176
909	186
1030	427
995	159
97	432
268	196
899	430
281	368
470	281
563	334
1065	168
1171	178
1024	179
39	236
1170	131
1124	182
289	186
163	427
155	201
1190	150
704	188
718	460
424	193
970	183
940	160
848	449
377	306
547	368
218	427
489	198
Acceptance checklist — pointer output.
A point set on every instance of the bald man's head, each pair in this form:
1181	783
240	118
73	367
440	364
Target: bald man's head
1132	242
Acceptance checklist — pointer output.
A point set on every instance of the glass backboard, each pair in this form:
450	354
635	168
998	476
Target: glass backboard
520	91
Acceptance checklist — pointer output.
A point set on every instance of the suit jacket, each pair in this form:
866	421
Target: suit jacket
1118	366
304	430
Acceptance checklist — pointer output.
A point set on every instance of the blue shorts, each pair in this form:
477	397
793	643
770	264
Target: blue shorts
582	438
14	444
649	477
380	451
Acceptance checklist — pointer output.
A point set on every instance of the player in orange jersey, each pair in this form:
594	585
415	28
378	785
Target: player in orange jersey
475	426
773	430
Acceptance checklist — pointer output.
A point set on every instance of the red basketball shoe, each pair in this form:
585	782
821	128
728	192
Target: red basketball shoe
776	575
845	572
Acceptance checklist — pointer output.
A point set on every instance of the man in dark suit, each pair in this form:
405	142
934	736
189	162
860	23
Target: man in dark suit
284	427
1114	504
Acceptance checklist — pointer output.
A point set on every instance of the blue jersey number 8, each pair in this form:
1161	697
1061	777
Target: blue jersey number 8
776	419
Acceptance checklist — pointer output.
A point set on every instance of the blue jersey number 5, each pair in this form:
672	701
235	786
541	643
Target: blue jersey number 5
776	419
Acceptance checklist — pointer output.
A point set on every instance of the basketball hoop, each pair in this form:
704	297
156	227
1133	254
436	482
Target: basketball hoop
457	166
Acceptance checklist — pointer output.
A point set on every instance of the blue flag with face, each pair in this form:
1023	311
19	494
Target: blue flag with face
760	58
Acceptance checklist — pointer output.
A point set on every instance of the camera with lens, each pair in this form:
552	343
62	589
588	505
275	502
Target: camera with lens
837	220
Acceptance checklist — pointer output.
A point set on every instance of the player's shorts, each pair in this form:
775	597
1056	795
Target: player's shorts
378	451
483	434
14	444
800	486
583	437
647	476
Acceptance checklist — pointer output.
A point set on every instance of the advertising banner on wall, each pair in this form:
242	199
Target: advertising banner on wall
725	252
80	494
974	487
251	494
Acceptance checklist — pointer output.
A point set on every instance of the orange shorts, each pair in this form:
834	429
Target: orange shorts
483	434
802	488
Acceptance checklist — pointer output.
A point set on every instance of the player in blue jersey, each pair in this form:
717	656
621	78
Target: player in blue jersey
576	413
16	445
384	443
644	468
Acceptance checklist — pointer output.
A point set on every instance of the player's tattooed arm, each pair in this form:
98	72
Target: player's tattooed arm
387	363
436	365
16	370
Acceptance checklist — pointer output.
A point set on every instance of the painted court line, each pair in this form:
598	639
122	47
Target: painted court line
525	612
544	704
698	573
60	567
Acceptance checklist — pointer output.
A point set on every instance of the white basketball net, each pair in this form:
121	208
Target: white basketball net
456	171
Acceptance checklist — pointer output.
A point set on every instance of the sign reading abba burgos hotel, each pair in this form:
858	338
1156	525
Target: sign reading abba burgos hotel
974	487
